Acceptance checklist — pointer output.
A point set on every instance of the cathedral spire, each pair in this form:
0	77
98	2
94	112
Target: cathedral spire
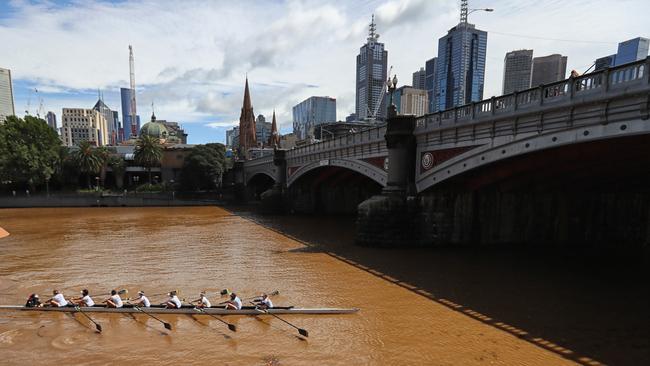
274	139
247	138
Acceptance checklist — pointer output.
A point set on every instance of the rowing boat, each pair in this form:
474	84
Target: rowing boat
154	309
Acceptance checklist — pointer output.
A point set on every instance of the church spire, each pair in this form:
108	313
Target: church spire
274	139
247	137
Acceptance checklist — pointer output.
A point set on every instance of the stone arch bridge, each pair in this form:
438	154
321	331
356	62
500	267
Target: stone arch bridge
543	164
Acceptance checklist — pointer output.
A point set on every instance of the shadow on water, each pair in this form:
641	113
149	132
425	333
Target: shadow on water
587	305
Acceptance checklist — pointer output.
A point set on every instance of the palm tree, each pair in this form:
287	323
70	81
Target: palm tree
104	154
88	161
118	166
148	153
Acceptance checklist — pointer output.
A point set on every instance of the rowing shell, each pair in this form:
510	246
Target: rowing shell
188	310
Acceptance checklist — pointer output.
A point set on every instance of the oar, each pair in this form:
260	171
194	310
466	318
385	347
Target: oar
97	326
232	327
167	325
302	332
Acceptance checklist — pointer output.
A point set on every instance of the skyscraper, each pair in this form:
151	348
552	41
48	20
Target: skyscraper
430	83
517	70
372	63
632	50
460	66
247	131
125	94
548	69
311	112
604	62
78	124
6	95
51	120
419	79
111	123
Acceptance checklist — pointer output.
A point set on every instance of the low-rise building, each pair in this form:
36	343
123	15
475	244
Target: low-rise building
409	100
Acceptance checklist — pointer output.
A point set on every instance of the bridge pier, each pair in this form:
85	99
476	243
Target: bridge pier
390	218
273	200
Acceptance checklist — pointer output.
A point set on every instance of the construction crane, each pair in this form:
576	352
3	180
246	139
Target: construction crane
378	103
29	101
134	126
41	109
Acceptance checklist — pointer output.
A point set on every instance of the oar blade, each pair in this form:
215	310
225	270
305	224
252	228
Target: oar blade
232	327
303	332
98	327
167	326
123	291
274	293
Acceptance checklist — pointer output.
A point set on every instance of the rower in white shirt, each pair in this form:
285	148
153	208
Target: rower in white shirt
263	302
84	300
234	303
173	302
202	301
115	301
141	300
57	299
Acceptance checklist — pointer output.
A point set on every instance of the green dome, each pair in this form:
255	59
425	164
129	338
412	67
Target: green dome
154	129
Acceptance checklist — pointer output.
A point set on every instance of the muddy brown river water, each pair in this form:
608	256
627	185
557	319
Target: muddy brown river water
210	248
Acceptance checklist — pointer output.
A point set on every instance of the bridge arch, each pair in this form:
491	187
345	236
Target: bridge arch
368	170
499	151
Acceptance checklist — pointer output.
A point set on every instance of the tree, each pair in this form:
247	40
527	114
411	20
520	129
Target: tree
89	160
148	153
29	151
118	166
203	167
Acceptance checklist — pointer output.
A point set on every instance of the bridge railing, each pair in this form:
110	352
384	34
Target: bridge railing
338	147
599	84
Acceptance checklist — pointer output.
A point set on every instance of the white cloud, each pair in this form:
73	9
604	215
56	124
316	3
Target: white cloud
191	59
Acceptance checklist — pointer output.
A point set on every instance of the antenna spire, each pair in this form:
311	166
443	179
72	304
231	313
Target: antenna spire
134	125
463	11
372	30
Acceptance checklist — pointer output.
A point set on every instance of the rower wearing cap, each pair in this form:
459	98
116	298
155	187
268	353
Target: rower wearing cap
33	301
173	302
84	300
202	301
141	300
234	303
115	301
263	302
57	300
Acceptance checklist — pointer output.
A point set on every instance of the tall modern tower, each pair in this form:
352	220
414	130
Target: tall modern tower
461	65
6	95
431	74
127	100
632	50
372	65
419	79
548	69
517	70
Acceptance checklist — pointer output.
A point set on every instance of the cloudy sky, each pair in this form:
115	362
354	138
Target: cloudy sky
191	57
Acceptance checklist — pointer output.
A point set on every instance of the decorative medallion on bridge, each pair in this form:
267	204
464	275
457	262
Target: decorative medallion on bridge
427	161
432	158
386	163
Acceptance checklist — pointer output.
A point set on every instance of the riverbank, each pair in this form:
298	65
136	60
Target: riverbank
109	200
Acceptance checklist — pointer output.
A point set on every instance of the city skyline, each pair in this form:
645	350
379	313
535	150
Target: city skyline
306	49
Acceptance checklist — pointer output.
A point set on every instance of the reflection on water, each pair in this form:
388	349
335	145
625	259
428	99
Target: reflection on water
206	248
